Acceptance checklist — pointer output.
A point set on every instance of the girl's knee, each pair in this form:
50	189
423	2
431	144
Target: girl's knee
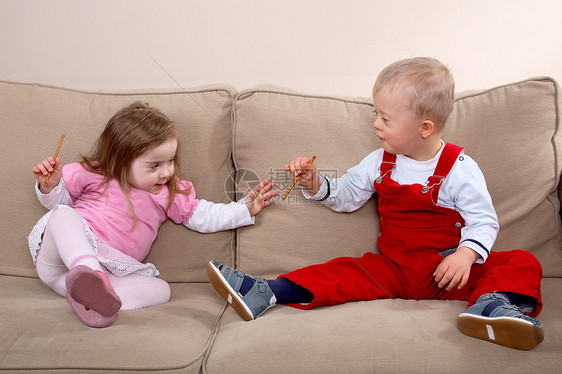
155	292
139	291
63	217
53	276
62	213
162	290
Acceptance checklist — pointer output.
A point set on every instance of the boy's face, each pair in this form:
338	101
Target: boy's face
397	127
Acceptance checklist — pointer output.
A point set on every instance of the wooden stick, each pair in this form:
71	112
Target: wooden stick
297	180
55	156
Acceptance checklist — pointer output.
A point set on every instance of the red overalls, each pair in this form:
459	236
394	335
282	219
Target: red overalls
414	232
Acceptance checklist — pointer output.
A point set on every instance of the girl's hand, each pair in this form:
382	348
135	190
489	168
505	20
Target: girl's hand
302	167
454	270
48	165
259	197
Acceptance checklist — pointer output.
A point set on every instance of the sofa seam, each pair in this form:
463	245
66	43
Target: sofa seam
251	91
212	339
475	93
219	87
555	136
235	174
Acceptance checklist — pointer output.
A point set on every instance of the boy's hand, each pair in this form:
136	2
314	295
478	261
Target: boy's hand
48	165
258	197
454	270
309	180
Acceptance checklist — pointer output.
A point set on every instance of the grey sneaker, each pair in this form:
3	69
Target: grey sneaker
506	325
227	283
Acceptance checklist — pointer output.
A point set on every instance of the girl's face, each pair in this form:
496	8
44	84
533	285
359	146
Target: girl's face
152	169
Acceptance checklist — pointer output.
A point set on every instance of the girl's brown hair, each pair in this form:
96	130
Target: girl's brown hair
128	134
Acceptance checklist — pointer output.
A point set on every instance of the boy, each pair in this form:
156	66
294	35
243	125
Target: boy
437	224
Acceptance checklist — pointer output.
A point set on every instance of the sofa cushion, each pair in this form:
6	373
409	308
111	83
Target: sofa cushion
511	131
40	332
379	336
272	126
33	118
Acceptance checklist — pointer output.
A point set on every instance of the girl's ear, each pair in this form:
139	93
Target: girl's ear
427	128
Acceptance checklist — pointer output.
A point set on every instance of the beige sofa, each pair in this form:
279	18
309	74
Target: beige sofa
229	139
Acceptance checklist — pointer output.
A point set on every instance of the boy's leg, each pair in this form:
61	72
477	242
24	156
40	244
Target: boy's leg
345	279
228	283
516	271
495	319
505	287
288	292
335	282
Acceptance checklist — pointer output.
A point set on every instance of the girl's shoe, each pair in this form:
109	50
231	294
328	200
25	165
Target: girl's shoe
92	297
89	316
506	324
227	283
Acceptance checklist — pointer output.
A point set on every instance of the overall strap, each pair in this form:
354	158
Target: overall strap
448	157
387	164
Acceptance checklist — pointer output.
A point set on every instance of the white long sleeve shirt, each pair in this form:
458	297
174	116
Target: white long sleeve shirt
207	216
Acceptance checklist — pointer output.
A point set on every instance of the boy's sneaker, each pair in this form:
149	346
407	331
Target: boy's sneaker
227	283
506	324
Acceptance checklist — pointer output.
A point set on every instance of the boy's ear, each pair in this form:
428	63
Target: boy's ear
427	128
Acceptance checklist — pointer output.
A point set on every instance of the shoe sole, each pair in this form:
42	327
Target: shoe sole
86	287
507	331
224	289
88	316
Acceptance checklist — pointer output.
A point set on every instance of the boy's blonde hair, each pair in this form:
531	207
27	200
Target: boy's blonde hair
427	82
128	134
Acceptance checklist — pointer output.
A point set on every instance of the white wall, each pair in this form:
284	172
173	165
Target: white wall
317	46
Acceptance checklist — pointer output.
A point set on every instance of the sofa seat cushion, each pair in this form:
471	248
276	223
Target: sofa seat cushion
379	336
40	331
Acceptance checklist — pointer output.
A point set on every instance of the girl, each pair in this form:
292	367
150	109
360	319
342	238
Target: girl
105	213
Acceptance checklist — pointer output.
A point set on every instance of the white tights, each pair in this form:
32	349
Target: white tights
66	245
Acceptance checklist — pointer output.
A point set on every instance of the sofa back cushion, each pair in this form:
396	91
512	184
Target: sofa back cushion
511	131
33	118
272	126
